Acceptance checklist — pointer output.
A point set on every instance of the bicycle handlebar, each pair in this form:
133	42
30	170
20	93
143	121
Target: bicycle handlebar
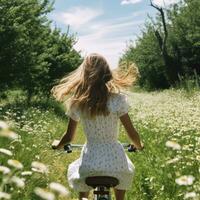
68	147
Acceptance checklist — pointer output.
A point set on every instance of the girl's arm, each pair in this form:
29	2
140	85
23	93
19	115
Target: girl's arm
132	133
68	136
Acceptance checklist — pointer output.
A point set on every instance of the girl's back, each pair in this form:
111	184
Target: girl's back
102	128
102	154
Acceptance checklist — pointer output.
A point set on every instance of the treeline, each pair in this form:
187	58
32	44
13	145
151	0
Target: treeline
168	49
32	54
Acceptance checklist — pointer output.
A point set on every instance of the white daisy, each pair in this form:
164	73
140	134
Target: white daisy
44	194
15	163
57	187
18	181
185	180
4	170
9	134
39	167
190	195
3	125
6	151
174	160
198	157
172	144
26	173
4	195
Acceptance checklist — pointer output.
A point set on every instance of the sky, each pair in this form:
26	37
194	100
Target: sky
103	26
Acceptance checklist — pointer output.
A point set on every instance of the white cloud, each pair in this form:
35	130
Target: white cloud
111	50
107	37
165	2
120	22
77	16
104	39
100	30
125	2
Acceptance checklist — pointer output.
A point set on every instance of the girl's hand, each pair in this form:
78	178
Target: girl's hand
134	148
55	144
141	148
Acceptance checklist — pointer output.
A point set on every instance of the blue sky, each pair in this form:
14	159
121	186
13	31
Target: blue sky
103	26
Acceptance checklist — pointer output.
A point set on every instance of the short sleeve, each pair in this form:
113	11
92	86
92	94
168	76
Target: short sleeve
73	113
123	105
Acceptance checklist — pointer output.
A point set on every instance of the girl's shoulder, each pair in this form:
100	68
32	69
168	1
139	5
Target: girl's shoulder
118	103
118	99
119	96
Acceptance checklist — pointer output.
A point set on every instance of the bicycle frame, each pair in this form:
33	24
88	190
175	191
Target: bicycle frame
102	193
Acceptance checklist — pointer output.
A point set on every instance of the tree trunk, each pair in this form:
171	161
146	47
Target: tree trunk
172	65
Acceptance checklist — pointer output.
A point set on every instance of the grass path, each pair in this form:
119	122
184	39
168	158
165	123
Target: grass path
167	121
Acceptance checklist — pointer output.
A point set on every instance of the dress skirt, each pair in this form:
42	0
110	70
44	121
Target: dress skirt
101	159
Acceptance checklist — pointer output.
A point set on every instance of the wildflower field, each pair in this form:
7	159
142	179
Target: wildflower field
167	169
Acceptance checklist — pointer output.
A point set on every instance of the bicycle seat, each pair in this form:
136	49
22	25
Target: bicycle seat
106	181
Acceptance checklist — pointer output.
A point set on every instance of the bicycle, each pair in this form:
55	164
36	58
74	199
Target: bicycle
100	184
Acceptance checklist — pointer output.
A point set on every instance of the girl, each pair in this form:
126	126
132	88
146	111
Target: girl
98	102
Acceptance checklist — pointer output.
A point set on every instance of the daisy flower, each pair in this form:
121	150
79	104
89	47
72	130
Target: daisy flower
44	194
59	188
15	163
185	180
6	151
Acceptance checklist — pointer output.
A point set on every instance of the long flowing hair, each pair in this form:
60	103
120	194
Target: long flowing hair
90	85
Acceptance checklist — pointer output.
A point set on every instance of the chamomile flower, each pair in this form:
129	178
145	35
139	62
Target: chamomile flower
4	170
4	195
3	125
26	173
39	167
59	188
190	195
172	144
44	194
9	134
185	180
174	160
18	181
15	163
6	151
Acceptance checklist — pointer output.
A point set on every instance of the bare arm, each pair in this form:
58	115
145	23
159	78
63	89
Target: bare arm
69	135
132	133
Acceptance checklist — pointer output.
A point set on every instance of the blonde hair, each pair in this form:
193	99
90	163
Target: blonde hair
91	84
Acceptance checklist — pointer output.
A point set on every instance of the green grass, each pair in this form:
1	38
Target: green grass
170	115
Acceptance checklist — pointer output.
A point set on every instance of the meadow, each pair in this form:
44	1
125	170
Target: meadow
167	169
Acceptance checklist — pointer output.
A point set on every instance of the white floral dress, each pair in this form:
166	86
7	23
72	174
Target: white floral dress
102	154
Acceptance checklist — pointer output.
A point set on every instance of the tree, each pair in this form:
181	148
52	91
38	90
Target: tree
146	55
185	26
168	46
172	64
32	54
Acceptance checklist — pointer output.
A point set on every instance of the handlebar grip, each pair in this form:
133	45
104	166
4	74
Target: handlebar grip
132	148
68	148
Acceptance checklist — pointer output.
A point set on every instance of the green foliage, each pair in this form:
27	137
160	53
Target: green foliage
191	84
185	33
147	56
32	55
183	25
